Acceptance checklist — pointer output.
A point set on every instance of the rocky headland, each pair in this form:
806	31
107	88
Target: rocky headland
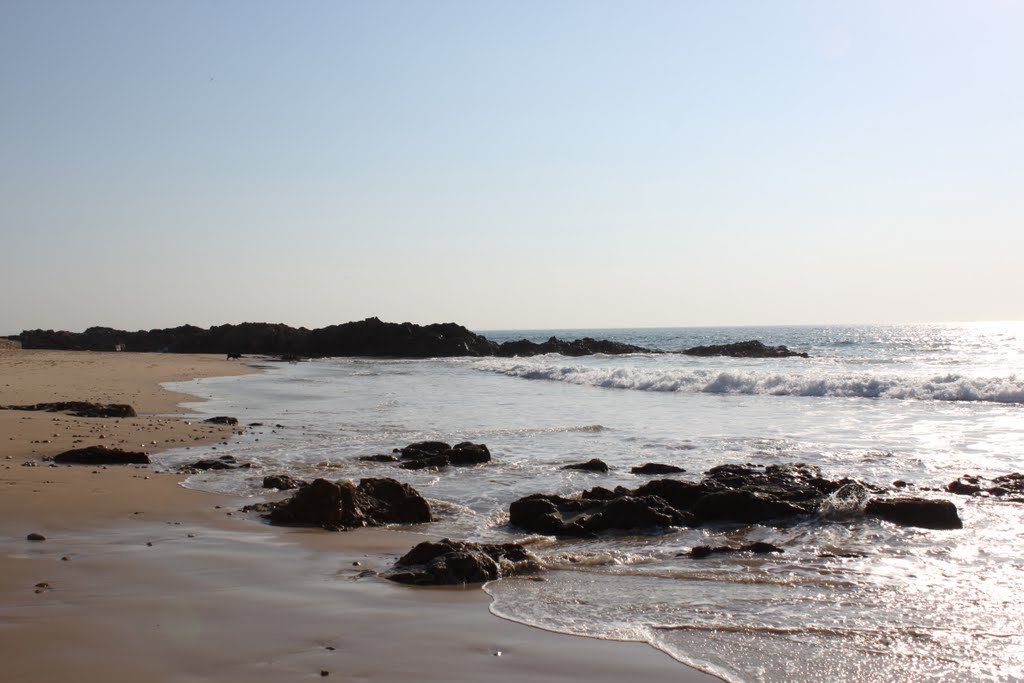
368	338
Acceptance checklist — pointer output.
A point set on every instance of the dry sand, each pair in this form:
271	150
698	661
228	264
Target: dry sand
141	579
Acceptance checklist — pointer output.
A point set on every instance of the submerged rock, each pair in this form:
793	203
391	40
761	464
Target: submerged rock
592	465
455	562
224	462
101	455
381	457
337	505
758	548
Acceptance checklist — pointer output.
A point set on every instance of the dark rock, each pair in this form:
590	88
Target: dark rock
919	512
680	494
576	347
422	448
222	420
225	462
101	455
975	485
35	537
632	512
555	515
455	563
745	349
467	453
601	493
758	548
438	454
81	408
438	461
383	457
342	505
370	337
547	514
749	507
732	494
281	482
592	465
656	468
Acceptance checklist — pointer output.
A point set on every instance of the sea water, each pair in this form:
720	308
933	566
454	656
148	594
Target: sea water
850	599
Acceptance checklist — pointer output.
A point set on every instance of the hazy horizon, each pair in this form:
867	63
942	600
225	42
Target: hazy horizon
570	165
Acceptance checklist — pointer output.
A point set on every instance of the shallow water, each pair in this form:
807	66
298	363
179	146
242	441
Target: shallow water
921	403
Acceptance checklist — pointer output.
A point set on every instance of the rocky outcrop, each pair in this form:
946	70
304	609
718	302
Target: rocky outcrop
656	468
438	455
455	563
338	505
919	512
1006	486
744	349
81	408
576	347
728	494
370	337
101	455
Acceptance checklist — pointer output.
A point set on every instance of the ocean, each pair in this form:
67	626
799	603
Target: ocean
850	599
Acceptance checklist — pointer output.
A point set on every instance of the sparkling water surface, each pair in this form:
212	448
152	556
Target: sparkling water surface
851	599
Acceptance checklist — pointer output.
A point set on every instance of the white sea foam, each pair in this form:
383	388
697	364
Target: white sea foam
948	387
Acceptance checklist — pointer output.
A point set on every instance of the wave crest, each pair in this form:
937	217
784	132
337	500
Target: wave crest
950	387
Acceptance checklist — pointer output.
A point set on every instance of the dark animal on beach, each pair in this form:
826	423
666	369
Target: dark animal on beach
234	356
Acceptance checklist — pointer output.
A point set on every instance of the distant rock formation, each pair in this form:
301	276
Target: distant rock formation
368	338
745	349
575	347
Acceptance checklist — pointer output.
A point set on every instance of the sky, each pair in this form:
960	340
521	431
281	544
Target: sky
509	165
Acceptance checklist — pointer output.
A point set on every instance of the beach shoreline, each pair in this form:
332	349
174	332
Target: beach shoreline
141	577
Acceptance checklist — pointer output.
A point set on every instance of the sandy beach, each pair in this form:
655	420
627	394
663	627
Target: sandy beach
142	579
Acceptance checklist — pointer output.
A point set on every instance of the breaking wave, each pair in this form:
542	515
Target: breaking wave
949	387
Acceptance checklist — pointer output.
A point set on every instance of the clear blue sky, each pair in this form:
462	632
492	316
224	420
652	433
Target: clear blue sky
513	164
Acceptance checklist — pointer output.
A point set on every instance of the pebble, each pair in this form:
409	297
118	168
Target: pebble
35	537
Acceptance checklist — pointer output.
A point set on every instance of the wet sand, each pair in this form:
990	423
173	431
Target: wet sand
141	579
